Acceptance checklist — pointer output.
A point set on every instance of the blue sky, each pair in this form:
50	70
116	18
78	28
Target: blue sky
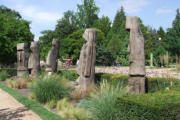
44	14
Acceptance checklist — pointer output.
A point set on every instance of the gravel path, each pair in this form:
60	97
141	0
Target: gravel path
11	109
160	72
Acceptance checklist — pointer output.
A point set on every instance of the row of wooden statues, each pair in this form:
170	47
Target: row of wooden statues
31	65
86	67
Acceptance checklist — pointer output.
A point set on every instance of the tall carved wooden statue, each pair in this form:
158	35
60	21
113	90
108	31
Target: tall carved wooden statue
86	68
137	58
34	59
52	58
22	59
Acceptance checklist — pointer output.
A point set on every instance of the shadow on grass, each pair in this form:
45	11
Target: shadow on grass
11	114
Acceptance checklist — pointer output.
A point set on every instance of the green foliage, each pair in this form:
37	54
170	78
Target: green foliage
87	13
154	84
102	104
156	106
35	107
66	25
48	88
67	110
104	56
3	76
45	42
11	83
13	30
71	46
173	36
10	71
103	24
118	36
69	75
51	104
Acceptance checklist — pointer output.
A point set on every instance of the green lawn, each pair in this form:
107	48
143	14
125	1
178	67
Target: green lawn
35	107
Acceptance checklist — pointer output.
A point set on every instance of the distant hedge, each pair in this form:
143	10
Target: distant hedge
154	84
153	106
10	71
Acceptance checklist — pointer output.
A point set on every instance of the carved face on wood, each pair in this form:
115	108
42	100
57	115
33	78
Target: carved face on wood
89	36
56	43
34	46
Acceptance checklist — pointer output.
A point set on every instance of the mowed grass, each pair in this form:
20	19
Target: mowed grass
35	107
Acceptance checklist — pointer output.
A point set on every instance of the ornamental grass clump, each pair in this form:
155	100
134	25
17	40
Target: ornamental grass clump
102	103
48	88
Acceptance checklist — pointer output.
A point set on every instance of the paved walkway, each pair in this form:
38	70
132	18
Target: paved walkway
11	109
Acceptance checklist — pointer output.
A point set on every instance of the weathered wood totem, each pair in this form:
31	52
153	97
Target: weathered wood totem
34	59
22	59
86	67
137	72
52	58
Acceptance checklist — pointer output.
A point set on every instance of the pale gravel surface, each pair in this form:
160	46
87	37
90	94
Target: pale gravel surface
11	109
160	72
155	72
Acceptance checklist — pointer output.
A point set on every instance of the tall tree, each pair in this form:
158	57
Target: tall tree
66	25
173	37
118	37
13	30
87	13
103	24
45	42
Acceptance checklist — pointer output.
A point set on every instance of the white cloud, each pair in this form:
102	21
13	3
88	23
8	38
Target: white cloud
165	10
133	6
37	15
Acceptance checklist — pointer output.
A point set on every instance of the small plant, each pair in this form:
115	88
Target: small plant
70	75
48	88
11	83
21	83
3	76
79	93
51	104
103	101
67	110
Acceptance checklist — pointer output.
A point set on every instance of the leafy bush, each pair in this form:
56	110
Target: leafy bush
154	84
154	106
48	88
51	104
9	71
80	93
67	110
102	103
70	75
3	76
20	82
11	83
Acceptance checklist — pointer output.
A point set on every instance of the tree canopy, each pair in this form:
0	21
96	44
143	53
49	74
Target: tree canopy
13	30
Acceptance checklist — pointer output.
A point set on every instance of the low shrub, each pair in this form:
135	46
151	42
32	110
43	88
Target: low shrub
79	93
154	84
69	75
11	83
3	76
48	88
154	106
9	71
20	82
67	110
102	102
51	104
